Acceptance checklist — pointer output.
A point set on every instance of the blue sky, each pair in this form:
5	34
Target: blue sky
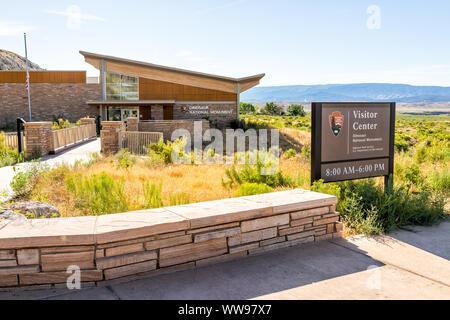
293	42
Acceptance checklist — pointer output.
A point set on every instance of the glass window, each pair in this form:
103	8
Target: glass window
121	87
112	78
114	114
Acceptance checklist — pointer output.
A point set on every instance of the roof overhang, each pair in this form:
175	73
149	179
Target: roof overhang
169	74
128	102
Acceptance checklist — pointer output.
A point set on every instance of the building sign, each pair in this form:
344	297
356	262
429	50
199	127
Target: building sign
352	140
198	109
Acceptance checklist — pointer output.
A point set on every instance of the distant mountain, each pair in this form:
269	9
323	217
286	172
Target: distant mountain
349	92
12	61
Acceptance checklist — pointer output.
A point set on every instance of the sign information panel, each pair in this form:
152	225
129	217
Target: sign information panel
352	140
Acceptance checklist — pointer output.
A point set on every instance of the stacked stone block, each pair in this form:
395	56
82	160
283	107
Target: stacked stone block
109	136
161	240
38	138
133	124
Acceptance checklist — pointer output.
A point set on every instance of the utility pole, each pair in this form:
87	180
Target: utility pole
28	76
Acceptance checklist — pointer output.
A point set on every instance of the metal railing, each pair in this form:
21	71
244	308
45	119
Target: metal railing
71	136
138	142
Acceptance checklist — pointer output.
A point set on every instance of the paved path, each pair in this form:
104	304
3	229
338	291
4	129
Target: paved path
69	156
403	265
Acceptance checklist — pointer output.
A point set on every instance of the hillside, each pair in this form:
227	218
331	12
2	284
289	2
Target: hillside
349	92
12	61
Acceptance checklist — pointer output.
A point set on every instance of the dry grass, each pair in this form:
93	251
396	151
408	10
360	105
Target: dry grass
198	182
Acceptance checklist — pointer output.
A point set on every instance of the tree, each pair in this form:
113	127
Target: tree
245	108
272	109
296	110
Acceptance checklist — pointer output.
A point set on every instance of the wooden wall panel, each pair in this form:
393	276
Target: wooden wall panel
43	76
160	90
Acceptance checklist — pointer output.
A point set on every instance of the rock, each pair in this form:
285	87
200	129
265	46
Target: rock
35	210
9	216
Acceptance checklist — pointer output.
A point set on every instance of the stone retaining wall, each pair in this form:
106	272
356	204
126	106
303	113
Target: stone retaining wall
108	247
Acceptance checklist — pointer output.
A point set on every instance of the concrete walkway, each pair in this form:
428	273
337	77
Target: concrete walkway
403	265
69	156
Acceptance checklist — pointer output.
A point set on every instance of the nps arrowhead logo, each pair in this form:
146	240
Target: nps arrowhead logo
336	122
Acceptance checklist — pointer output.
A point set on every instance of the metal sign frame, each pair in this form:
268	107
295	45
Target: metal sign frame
316	142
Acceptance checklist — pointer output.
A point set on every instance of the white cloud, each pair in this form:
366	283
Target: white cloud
12	28
75	16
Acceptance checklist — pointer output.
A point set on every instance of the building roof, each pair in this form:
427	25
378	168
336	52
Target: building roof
174	75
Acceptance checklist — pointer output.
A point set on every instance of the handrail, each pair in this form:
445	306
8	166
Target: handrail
71	136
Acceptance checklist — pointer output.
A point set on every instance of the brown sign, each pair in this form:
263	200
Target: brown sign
348	137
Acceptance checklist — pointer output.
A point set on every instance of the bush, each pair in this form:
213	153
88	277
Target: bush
23	182
440	182
367	208
327	188
8	156
59	123
245	108
248	189
97	194
152	195
164	151
272	109
290	153
254	173
125	159
296	110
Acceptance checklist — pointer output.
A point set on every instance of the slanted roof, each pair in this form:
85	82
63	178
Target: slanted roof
169	74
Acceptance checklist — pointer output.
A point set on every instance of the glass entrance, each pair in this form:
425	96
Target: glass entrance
127	113
116	113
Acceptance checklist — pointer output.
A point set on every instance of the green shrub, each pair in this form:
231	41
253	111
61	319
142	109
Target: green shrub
248	189
125	159
97	194
256	173
165	150
367	208
296	110
245	108
59	123
440	181
289	154
271	109
327	188
152	195
23	182
179	198
8	156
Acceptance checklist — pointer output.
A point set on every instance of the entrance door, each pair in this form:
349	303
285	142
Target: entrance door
127	113
145	113
168	113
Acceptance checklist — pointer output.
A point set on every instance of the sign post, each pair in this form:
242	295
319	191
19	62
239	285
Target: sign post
352	140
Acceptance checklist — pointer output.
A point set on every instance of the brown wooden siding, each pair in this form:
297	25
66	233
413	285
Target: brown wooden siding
43	76
160	90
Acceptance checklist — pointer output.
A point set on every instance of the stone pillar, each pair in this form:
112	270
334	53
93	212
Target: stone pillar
132	124
86	121
110	136
39	138
157	113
